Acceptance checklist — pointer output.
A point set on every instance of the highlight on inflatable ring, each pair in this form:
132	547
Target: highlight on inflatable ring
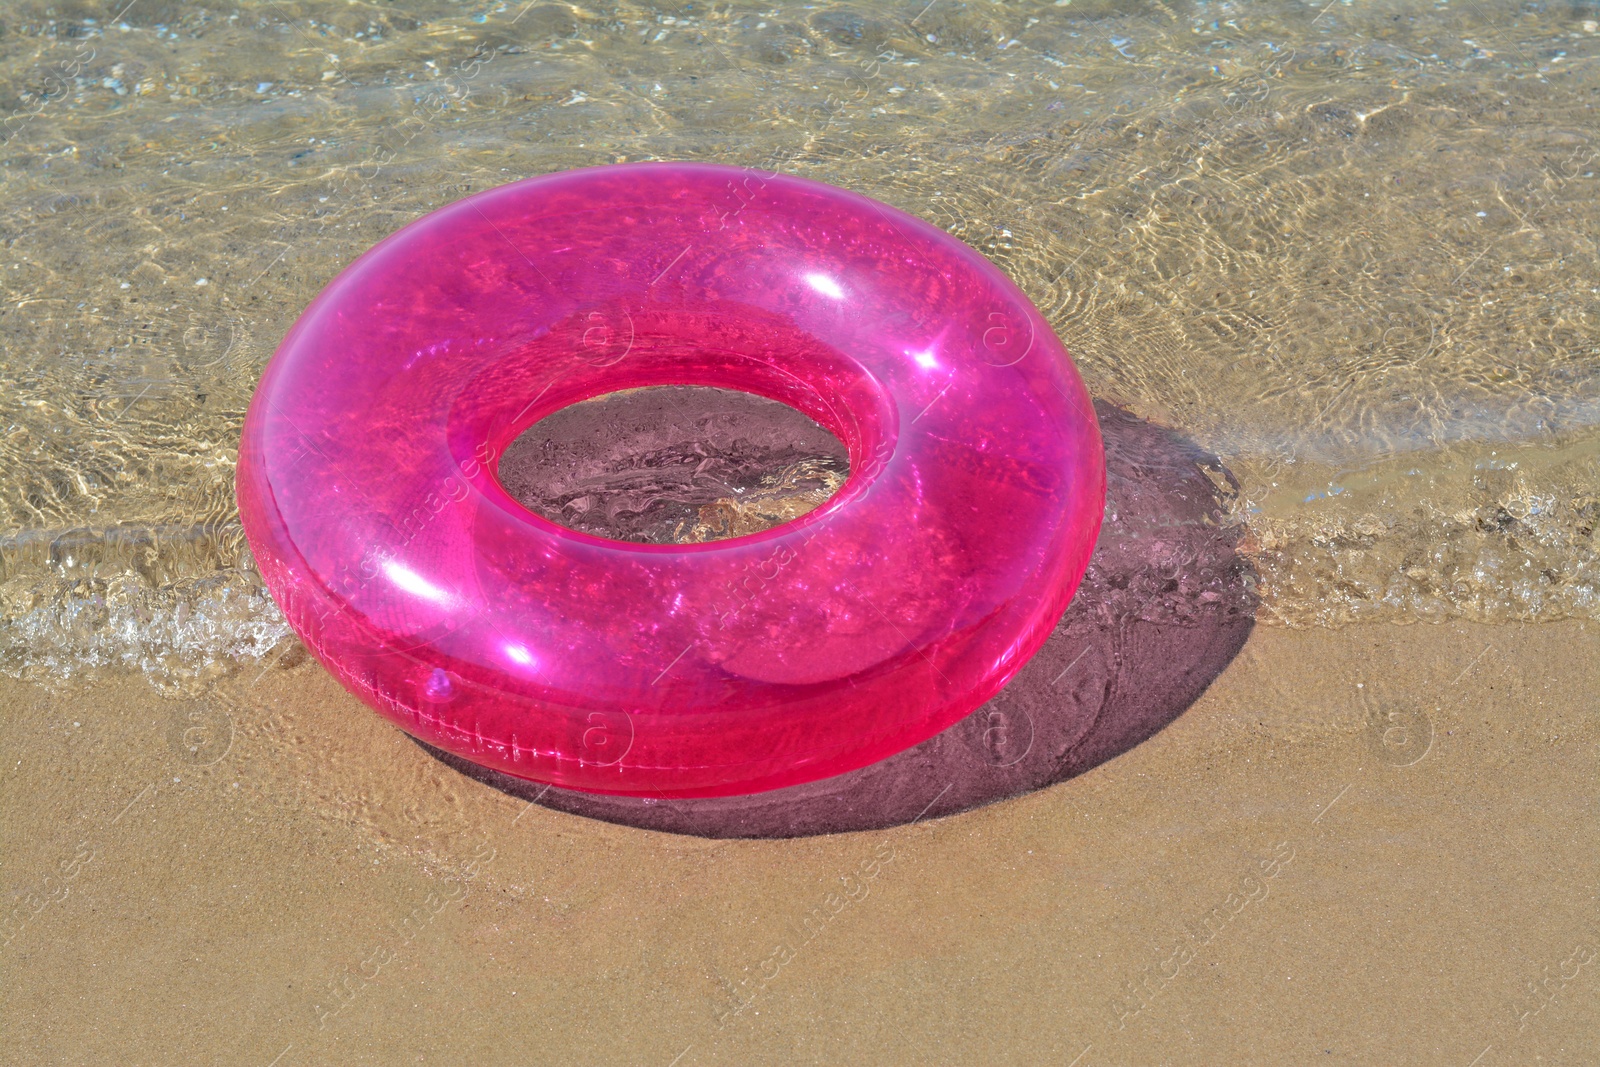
368	488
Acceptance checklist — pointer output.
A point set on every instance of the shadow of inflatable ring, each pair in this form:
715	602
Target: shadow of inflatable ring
1166	604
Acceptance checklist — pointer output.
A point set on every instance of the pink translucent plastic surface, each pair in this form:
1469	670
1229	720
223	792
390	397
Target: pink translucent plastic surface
368	490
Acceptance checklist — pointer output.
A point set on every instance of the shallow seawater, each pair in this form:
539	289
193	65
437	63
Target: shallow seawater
1351	250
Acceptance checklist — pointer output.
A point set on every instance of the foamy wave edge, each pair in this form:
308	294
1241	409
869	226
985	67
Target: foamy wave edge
178	605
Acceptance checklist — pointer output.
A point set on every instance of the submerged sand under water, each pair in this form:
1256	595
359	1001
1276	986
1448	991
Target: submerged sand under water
1349	249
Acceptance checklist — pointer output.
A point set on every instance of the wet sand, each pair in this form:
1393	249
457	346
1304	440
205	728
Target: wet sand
1356	847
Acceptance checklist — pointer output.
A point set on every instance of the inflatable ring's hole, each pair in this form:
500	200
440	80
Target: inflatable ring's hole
674	465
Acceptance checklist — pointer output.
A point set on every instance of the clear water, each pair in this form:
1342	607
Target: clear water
1348	247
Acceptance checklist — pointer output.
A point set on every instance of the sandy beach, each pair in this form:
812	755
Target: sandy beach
1310	765
1357	848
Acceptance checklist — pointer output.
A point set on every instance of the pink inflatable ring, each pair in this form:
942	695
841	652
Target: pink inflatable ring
367	481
